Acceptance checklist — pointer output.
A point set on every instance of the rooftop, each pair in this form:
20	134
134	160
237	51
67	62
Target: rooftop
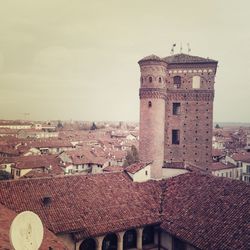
179	59
185	58
207	211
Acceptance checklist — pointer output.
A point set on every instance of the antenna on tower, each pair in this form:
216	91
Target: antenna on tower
172	50
189	49
181	48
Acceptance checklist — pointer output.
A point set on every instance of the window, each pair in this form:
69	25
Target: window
159	79
176	136
18	172
177	82
146	172
149	104
248	169
176	108
196	82
150	79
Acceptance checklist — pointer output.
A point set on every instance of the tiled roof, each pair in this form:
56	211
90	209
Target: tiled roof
184	58
220	166
92	204
113	169
209	212
179	59
217	152
149	58
132	169
241	156
7	216
34	161
206	211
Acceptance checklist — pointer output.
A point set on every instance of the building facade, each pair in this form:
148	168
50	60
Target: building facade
176	110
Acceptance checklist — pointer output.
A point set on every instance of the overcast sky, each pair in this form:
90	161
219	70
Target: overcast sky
62	59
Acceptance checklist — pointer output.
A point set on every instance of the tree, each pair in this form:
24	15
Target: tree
59	124
93	127
217	126
132	156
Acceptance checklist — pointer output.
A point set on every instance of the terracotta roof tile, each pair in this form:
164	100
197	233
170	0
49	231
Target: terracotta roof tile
184	58
219	166
241	156
132	169
207	211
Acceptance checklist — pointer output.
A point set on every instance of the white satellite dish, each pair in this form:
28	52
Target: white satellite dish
26	231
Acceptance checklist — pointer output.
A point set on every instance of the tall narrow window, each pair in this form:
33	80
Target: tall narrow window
159	79
176	108
177	82
150	79
176	136
196	82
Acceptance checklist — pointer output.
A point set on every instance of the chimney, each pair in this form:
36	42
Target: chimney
46	200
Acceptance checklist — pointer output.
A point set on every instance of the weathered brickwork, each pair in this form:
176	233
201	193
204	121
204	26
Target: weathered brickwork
176	110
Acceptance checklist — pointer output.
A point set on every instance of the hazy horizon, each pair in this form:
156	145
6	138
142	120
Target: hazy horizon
78	60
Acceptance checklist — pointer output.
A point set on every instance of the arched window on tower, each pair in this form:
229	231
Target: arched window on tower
177	82
150	79
196	82
159	79
149	104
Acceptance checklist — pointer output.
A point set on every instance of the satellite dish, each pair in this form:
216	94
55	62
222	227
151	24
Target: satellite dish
26	231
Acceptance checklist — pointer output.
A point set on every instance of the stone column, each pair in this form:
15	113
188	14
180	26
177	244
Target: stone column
120	240
139	238
99	242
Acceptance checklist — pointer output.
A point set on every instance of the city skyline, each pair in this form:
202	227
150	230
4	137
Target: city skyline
79	61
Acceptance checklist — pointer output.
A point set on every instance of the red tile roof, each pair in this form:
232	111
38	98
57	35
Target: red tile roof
113	169
220	166
208	212
6	218
91	204
132	169
185	58
34	161
217	152
241	156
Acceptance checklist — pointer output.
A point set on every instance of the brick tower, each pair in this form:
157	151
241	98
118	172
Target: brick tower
152	113
186	90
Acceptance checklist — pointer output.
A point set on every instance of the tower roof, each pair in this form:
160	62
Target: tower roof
150	58
184	58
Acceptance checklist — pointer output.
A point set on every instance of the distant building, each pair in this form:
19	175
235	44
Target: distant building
139	172
242	161
226	169
15	125
248	143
